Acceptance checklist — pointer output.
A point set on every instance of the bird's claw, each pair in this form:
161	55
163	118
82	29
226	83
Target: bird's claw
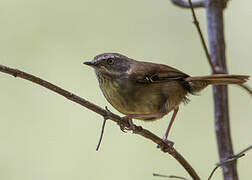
167	142
123	127
128	118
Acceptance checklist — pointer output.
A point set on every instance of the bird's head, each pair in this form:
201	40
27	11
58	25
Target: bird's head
110	64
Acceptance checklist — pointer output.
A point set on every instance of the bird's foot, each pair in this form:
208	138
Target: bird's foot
128	120
167	142
122	127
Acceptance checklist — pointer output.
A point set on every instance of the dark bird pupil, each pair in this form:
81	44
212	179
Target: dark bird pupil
110	61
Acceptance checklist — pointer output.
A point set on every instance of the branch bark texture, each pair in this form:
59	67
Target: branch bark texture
214	10
165	147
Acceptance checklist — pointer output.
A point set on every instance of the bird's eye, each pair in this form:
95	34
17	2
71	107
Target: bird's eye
110	61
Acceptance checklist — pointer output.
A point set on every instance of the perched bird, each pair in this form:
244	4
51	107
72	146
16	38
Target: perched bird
148	91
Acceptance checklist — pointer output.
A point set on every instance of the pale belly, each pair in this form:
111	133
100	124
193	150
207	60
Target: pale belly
153	98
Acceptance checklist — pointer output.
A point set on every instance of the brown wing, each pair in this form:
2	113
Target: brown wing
145	72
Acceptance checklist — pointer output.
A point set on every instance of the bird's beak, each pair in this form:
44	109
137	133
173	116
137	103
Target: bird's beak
91	63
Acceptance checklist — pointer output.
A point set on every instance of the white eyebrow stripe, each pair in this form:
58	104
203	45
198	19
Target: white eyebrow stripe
106	57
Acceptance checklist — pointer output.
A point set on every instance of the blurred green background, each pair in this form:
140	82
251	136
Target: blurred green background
45	136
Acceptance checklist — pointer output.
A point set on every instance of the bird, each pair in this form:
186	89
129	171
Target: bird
149	91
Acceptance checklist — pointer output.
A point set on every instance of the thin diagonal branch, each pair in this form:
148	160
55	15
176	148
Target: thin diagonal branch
246	88
185	4
165	147
244	150
196	22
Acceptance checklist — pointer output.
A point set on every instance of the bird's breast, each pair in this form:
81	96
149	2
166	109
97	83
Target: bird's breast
131	98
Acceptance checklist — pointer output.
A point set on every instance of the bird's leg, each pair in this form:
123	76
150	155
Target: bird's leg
175	111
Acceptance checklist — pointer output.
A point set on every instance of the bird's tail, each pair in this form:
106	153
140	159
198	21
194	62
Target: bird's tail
198	83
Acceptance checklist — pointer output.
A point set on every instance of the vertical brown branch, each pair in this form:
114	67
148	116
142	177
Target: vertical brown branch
214	9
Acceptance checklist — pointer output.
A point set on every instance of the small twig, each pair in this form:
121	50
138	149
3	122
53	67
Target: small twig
102	132
196	22
103	127
232	159
246	88
213	171
165	147
245	150
169	176
184	4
